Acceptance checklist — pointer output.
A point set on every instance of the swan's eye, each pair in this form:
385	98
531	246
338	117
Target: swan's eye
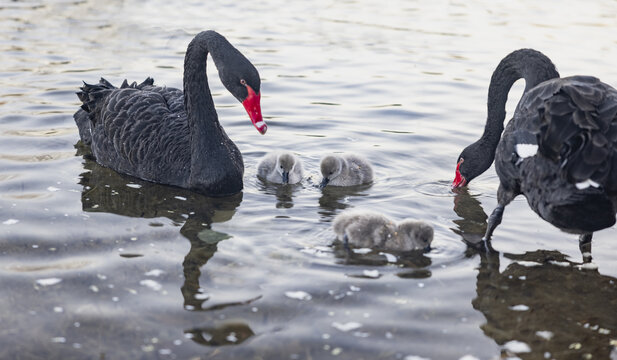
331	172
243	82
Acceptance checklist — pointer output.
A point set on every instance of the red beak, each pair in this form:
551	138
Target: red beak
459	180
252	106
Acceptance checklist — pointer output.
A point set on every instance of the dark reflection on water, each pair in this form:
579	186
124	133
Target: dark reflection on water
335	198
105	190
542	305
547	302
472	225
108	191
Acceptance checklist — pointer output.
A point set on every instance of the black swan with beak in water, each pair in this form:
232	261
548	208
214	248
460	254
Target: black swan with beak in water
559	149
168	136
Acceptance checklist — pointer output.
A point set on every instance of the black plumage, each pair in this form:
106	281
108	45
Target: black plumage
167	135
570	179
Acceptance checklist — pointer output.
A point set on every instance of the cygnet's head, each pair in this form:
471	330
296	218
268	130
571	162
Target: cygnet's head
331	167
414	235
284	165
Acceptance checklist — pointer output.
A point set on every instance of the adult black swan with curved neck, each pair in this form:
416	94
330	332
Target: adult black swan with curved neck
559	150
171	137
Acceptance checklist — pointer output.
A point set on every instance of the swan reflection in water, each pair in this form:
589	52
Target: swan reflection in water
105	190
553	305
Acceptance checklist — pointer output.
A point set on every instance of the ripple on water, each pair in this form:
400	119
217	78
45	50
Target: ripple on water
439	188
52	156
446	250
486	186
41	132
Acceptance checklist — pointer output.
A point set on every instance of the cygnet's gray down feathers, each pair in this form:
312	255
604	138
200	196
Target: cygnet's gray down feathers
372	230
280	168
345	170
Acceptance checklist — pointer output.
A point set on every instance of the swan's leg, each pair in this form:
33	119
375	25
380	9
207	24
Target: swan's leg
493	221
504	197
584	244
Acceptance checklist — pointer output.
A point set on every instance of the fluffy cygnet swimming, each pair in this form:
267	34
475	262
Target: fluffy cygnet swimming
345	170
280	168
372	230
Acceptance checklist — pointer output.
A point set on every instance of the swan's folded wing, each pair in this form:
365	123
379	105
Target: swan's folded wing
578	129
141	125
138	129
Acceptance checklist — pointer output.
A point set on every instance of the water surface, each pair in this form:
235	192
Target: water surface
99	265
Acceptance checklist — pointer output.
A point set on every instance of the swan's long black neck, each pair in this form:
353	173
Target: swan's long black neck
212	153
202	116
528	64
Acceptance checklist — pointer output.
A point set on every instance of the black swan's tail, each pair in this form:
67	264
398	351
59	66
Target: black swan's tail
91	97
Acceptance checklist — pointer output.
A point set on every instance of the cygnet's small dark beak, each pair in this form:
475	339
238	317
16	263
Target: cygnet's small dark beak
346	244
285	176
427	248
324	182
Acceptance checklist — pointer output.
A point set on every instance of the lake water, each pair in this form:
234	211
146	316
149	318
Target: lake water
96	265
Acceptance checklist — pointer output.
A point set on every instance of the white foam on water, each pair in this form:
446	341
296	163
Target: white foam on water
371	273
348	326
155	272
545	334
48	281
298	295
154	285
516	346
391	258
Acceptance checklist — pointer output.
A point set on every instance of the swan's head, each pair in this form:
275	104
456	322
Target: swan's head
415	235
242	80
284	165
331	167
472	162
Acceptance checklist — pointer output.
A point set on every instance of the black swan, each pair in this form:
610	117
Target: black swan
171	137
559	150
